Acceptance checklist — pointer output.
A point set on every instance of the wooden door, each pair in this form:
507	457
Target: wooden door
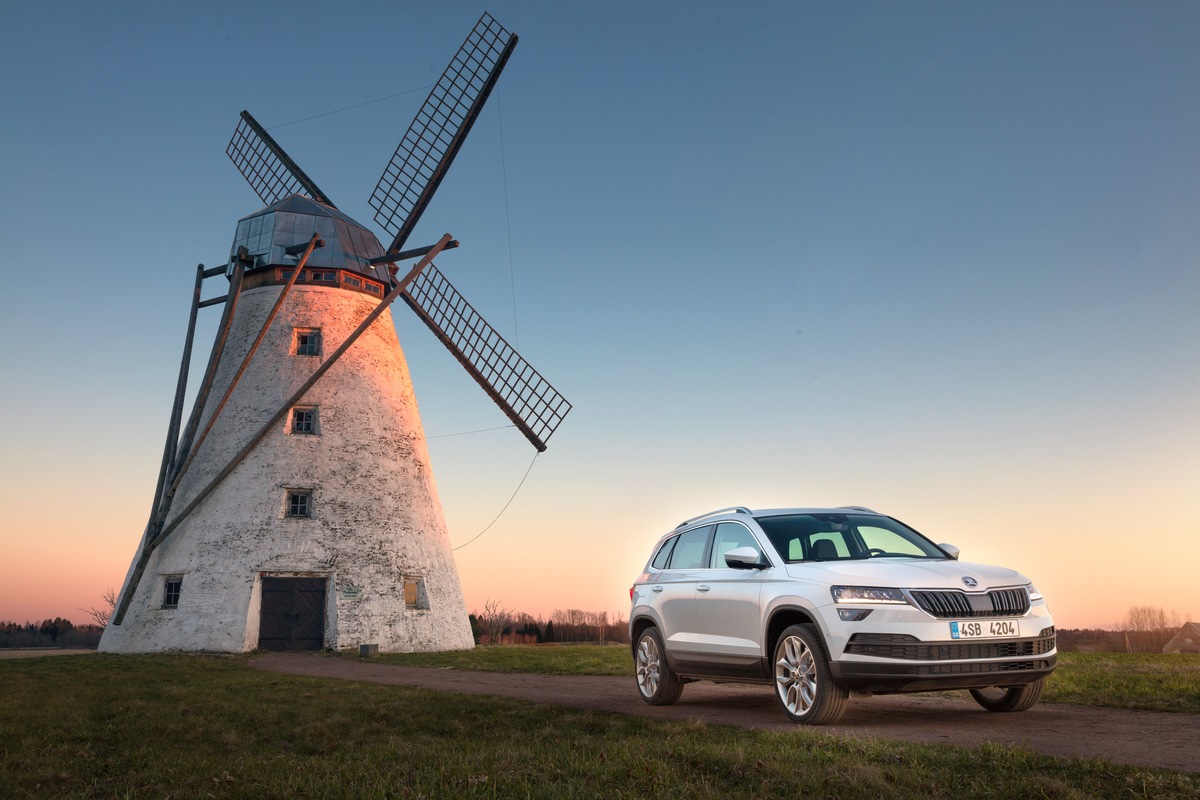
293	614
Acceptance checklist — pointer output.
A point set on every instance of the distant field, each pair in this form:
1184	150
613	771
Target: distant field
1145	682
207	726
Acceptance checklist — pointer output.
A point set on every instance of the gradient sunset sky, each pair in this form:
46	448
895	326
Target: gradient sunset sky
939	259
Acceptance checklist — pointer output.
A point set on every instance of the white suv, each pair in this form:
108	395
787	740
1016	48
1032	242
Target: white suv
822	602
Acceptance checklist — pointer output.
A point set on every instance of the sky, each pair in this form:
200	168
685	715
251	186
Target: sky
934	258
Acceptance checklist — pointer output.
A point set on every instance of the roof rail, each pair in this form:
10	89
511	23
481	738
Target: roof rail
857	508
735	509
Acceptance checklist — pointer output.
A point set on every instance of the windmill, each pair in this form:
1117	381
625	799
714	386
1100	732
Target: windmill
297	509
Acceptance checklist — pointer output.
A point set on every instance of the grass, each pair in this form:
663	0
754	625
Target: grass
1148	682
194	726
1112	680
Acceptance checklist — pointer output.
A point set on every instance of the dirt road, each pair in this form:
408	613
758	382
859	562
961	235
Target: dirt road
1137	738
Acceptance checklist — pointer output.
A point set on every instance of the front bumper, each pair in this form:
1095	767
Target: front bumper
902	663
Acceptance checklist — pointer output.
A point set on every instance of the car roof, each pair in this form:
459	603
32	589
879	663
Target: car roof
738	511
779	512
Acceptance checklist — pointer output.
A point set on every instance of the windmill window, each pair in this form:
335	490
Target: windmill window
308	342
172	586
350	280
414	593
304	420
299	503
323	275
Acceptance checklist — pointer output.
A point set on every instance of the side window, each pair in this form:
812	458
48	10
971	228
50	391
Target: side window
664	553
729	536
887	541
691	549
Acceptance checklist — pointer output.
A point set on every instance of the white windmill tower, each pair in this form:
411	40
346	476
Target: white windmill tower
297	509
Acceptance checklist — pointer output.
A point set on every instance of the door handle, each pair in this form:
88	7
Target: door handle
702	588
656	588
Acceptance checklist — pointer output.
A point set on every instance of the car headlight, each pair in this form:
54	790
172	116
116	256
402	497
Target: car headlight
868	594
1034	594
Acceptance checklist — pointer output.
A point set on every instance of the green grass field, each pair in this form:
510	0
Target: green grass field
206	726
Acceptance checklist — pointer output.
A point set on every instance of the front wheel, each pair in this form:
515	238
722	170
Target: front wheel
1010	698
656	683
803	682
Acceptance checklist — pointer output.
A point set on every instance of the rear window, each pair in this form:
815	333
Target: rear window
664	553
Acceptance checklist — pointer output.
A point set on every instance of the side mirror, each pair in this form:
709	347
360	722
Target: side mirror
745	558
950	549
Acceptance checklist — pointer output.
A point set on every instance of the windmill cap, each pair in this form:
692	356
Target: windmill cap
268	233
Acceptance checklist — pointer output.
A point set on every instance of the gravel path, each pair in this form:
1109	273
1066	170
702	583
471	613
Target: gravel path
1136	738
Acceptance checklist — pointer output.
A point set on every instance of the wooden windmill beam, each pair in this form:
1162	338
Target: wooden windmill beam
180	389
158	512
210	373
299	394
313	243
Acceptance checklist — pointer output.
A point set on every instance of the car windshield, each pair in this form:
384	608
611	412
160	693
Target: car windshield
836	536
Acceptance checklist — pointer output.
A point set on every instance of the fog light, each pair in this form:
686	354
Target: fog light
853	614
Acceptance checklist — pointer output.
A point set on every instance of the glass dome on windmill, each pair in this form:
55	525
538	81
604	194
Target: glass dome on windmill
276	236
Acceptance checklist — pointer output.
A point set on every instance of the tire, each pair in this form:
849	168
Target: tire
656	683
1010	698
803	683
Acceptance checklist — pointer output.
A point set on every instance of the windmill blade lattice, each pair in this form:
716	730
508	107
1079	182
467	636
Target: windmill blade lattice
436	134
533	405
270	172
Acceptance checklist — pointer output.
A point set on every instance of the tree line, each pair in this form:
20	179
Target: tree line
498	625
1144	629
57	632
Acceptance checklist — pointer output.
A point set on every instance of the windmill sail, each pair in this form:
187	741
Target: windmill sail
436	134
533	405
270	172
400	197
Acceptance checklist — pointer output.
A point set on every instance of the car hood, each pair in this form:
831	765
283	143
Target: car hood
907	573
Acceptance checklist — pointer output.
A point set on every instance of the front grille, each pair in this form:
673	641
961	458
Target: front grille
909	648
954	604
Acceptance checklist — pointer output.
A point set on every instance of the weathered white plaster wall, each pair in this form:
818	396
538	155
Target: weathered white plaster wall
377	517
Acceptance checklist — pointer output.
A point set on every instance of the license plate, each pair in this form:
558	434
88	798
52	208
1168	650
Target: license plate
991	629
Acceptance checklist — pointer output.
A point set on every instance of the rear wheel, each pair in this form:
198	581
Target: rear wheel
657	684
1010	698
803	682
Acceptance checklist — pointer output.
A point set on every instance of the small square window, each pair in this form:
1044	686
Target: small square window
172	586
299	504
308	342
304	420
414	594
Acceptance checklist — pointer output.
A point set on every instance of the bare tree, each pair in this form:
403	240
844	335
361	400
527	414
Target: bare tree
101	615
492	622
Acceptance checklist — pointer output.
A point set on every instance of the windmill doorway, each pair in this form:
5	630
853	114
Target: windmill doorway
293	614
